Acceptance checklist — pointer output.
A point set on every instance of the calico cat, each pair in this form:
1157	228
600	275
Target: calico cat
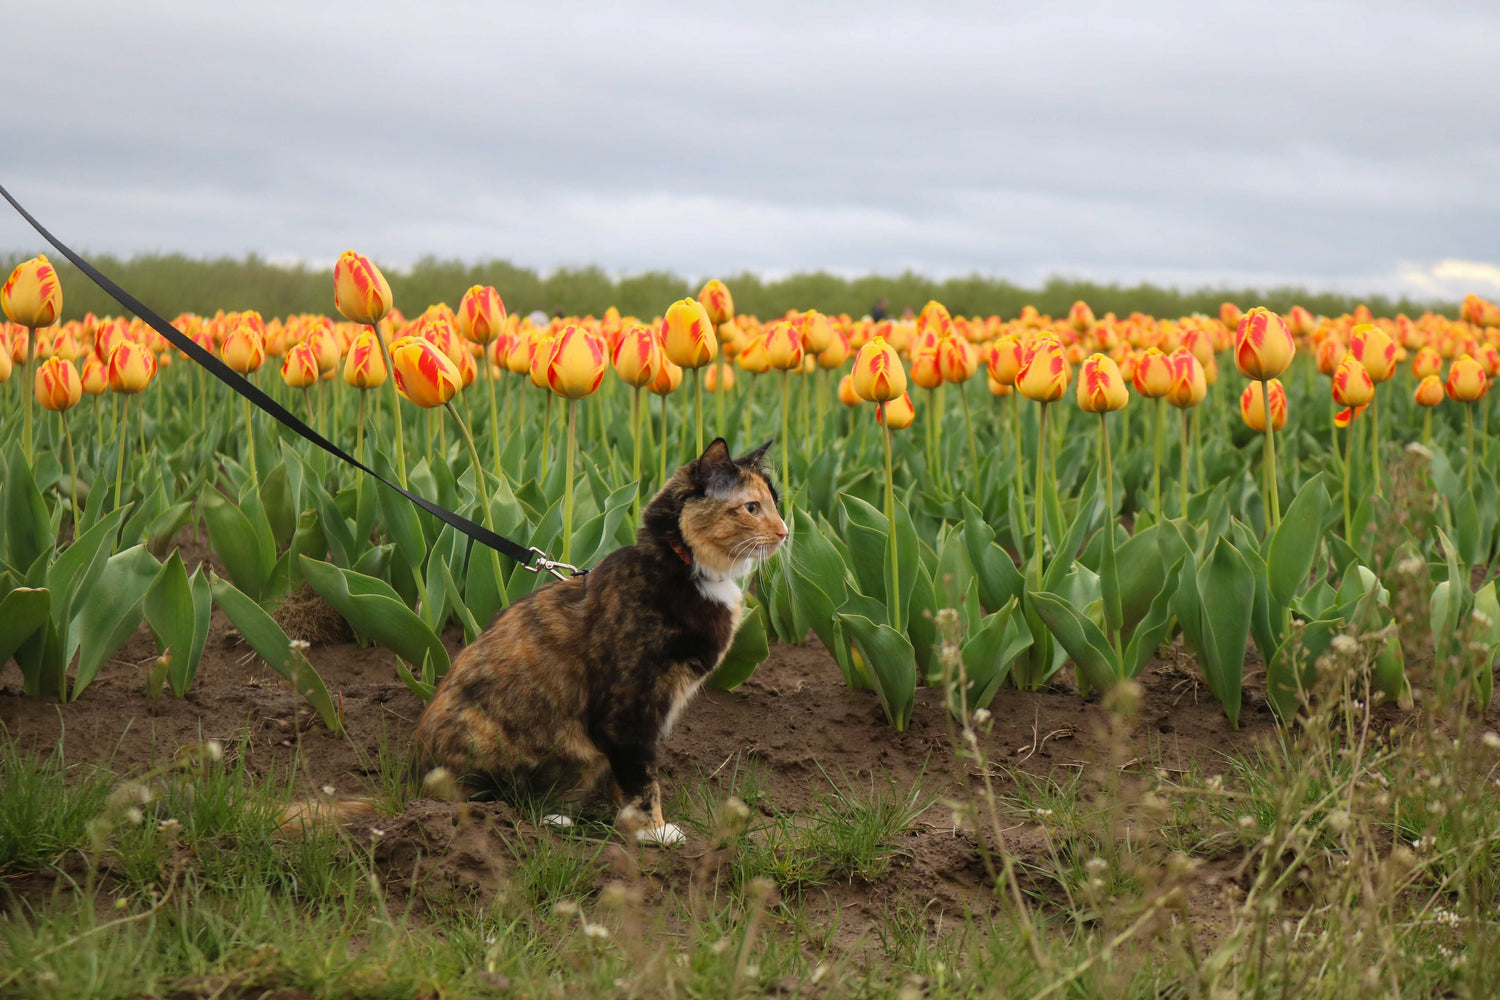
578	683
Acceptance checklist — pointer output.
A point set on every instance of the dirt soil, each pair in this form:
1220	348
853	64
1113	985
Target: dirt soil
795	716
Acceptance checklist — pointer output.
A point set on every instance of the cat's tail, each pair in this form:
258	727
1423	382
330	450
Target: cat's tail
325	814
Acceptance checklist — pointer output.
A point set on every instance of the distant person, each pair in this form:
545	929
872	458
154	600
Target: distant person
879	310
908	314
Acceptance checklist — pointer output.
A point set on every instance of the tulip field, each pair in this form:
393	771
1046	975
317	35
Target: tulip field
1110	655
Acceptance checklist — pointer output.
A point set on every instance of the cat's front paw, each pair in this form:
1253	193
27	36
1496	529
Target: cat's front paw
558	820
666	835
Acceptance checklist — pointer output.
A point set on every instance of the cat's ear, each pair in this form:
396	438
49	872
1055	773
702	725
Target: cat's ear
755	458
716	453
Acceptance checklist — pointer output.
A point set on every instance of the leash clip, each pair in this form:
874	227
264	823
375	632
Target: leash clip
553	566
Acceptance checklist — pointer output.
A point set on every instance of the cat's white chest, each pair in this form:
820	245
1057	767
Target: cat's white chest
725	591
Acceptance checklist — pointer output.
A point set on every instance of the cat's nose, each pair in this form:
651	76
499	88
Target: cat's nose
782	533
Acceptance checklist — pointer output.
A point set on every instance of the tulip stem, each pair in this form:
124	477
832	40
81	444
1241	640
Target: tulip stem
1110	616
969	423
27	391
359	449
72	469
546	433
1020	505
786	437
1375	443
1348	505
1273	507
567	544
663	449
249	436
931	419
395	398
635	465
124	436
698	404
721	387
1156	465
489	382
1469	470
890	521
1041	513
1426	426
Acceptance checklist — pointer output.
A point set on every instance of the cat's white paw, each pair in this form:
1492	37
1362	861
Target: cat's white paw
667	835
558	820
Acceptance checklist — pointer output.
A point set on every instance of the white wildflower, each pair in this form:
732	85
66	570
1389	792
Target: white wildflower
300	644
596	931
981	716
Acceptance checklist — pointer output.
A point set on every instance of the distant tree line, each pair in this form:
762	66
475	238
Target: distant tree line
173	283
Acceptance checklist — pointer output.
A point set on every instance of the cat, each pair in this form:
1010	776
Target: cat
576	685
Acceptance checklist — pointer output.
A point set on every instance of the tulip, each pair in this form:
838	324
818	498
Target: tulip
1467	383
31	297
836	353
577	363
753	357
1006	358
878	376
896	414
1375	350
1230	315
637	360
57	386
784	347
847	395
424	374
1044	377
244	350
926	372
364	367
299	369
1263	346
360	292
935	319
131	368
717	302
95	377
668	378
1080	316
1300	322
1330	352
481	314
816	331
1429	393
1153	374
998	388
1100	387
1188	382
719	378
689	341
1253	410
1352	385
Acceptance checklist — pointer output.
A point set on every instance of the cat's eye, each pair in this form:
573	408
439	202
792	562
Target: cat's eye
752	507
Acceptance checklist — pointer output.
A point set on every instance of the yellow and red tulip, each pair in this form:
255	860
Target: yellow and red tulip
131	368
957	359
1373	348
1189	384
1467	382
878	375
1253	409
244	350
364	367
1263	346
637	357
716	301
817	332
1101	389
94	376
32	295
1045	375
897	414
784	346
360	292
57	386
1153	373
1005	360
424	374
847	395
576	367
1352	385
688	334
1429	391
481	314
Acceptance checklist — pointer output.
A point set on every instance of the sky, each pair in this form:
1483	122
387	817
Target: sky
1349	146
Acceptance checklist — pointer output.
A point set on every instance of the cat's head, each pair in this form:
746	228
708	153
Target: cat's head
723	511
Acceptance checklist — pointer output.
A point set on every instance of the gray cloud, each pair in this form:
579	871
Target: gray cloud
1340	144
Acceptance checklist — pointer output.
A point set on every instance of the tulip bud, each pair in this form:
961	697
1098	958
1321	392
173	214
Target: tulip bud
1352	385
689	340
878	375
481	314
1489	359
95	375
847	395
717	302
753	357
1253	410
1374	348
577	364
57	385
957	359
1467	382
424	374
1263	347
364	367
244	350
637	357
1330	352
1006	358
1044	376
836	353
299	369
815	330
1230	316
935	319
1080	316
1153	373
668	378
32	295
897	414
998	388
360	292
926	373
1100	387
131	368
1189	384
784	346
1300	322
521	353
107	336
718	378
1429	391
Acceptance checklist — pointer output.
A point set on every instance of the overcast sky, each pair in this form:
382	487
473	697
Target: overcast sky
1342	145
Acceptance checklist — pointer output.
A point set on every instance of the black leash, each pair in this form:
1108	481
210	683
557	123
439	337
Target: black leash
532	559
